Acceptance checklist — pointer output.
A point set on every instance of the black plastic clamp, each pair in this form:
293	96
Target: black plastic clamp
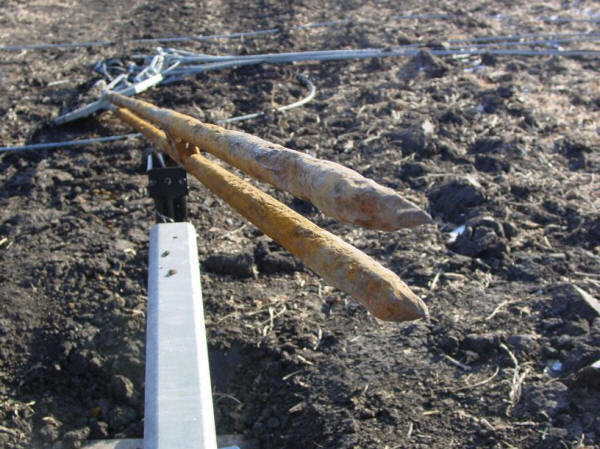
168	187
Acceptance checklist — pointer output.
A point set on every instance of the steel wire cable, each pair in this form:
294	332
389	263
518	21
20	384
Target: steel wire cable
69	143
210	38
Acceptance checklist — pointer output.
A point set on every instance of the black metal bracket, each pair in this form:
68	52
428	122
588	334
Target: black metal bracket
167	185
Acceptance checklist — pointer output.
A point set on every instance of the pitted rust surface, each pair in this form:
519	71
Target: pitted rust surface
336	190
339	263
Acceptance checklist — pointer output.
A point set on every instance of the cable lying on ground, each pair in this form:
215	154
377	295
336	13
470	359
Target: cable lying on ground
210	38
171	65
68	143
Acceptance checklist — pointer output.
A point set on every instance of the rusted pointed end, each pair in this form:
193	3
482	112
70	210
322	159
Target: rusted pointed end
409	218
396	302
412	308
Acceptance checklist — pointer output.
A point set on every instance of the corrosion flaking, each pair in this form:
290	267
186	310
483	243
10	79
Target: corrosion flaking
339	263
337	191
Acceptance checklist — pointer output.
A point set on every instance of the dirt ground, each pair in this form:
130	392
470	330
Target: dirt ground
507	146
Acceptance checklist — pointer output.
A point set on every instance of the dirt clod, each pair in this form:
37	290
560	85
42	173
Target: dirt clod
278	261
481	343
523	344
570	303
237	265
74	438
423	62
482	237
550	399
452	200
120	416
49	433
589	377
99	430
123	390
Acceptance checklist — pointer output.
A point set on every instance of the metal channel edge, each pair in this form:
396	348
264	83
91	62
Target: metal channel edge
178	399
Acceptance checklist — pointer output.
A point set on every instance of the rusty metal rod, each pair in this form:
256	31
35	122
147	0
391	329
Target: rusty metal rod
339	263
336	190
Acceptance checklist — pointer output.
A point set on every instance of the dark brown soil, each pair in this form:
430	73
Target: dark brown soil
509	149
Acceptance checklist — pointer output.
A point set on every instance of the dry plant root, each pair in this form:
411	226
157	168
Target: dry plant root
337	191
339	263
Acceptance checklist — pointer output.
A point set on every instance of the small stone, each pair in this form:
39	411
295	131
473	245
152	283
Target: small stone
366	413
123	245
402	38
548	352
118	302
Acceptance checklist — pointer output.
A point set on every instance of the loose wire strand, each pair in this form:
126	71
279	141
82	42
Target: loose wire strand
69	143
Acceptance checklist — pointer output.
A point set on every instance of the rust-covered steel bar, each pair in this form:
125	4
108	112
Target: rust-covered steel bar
337	191
337	262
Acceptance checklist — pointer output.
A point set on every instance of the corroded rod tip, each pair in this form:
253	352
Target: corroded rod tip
411	309
408	218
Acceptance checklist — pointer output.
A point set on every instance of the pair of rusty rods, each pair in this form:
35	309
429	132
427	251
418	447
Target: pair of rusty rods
335	190
338	263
